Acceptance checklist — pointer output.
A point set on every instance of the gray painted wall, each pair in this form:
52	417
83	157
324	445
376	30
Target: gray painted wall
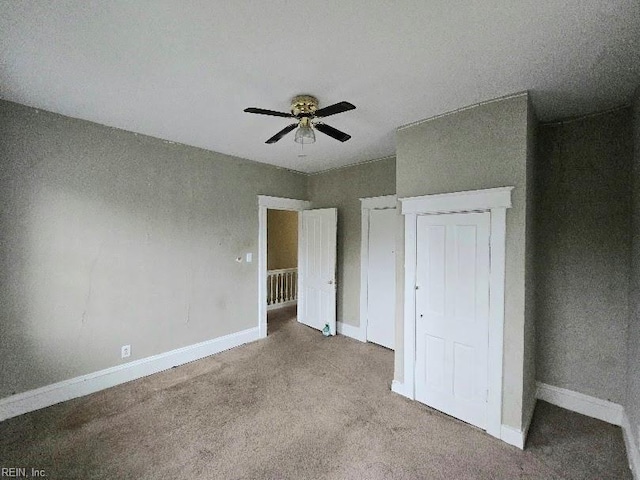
583	251
343	188
632	404
111	238
480	147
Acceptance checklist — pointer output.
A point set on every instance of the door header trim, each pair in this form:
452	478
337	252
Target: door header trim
465	201
372	203
278	203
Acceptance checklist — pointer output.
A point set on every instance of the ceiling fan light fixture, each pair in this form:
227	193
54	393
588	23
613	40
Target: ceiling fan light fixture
305	134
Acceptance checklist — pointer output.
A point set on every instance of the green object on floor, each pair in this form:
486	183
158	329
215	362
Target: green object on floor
326	331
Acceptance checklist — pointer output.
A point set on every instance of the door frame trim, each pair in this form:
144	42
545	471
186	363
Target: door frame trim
496	201
266	202
366	205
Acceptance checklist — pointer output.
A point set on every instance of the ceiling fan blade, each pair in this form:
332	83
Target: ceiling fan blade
263	111
335	108
332	132
282	133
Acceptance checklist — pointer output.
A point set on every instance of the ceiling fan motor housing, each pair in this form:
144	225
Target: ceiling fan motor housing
304	106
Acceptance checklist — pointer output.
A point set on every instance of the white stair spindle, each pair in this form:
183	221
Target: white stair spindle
282	287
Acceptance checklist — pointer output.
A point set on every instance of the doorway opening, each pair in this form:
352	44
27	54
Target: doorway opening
278	288
316	263
282	263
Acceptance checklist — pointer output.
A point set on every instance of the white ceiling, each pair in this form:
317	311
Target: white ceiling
184	70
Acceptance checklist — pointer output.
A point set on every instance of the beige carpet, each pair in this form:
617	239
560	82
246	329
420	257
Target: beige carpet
294	406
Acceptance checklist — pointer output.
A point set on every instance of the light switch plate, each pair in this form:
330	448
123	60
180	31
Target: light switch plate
249	257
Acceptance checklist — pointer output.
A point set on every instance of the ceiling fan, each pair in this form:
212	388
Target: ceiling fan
304	108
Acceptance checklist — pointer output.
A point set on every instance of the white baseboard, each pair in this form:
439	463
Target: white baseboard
604	410
513	436
632	448
350	331
399	388
586	405
79	386
275	306
516	437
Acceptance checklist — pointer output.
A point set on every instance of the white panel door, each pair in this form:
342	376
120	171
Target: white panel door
317	269
452	314
381	277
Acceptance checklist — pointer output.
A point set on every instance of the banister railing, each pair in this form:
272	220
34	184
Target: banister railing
282	287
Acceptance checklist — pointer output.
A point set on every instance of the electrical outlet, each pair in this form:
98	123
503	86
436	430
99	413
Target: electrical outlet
126	351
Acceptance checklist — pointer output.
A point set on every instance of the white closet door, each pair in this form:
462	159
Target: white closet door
381	277
452	314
